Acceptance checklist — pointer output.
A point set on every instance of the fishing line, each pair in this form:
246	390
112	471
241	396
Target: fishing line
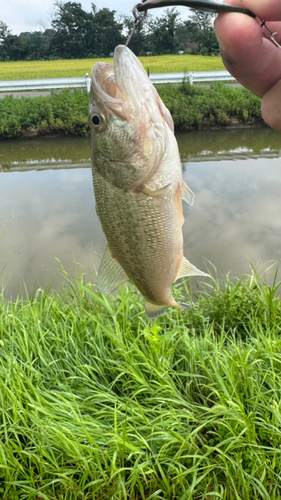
137	21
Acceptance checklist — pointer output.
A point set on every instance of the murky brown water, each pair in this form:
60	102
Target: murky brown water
47	208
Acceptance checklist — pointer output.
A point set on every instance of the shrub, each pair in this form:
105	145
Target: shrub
192	107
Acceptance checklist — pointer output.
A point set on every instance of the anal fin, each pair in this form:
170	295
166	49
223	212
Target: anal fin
154	311
187	194
188	269
111	275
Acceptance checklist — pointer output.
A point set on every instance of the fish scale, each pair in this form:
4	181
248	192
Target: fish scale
136	228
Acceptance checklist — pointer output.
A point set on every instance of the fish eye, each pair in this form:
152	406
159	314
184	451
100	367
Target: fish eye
98	120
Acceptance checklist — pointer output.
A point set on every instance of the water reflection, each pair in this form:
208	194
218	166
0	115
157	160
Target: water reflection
44	154
49	214
236	217
230	144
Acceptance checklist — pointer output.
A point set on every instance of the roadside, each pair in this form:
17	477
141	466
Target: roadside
29	93
36	93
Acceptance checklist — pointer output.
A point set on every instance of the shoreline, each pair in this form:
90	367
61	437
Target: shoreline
235	124
33	133
192	108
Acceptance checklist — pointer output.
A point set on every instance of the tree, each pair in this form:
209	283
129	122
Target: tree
37	44
15	47
4	33
76	34
186	36
104	33
139	41
70	25
163	33
200	25
82	34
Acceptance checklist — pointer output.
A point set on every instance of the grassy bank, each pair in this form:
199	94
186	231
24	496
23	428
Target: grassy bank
21	70
192	107
98	403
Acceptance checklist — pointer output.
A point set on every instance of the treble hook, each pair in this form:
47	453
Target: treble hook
138	20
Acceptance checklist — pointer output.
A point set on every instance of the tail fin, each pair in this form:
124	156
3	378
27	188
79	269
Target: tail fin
182	305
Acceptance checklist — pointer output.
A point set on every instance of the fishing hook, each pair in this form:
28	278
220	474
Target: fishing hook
137	21
269	37
207	6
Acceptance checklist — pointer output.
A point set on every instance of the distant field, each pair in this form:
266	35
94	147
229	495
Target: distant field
22	70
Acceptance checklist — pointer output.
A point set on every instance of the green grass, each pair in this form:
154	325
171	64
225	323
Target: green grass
22	70
99	403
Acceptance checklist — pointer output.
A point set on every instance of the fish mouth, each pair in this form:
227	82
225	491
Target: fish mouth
124	89
130	75
136	87
119	86
105	92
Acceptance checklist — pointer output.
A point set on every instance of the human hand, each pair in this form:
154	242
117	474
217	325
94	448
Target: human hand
252	59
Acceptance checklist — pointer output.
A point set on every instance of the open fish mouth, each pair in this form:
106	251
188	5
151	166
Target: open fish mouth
105	92
119	86
124	89
130	75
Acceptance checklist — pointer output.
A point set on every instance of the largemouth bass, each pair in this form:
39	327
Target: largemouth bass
138	183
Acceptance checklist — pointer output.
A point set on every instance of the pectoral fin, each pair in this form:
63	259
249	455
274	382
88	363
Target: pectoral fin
110	275
154	193
187	194
188	269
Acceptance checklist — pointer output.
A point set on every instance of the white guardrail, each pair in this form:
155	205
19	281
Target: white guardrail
82	82
193	77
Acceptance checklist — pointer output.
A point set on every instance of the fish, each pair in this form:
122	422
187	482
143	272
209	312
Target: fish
138	183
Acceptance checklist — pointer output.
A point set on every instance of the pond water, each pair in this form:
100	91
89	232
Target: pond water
47	207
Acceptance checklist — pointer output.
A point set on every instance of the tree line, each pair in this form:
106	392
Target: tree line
76	34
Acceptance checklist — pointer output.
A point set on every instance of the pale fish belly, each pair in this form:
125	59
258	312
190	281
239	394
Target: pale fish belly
145	236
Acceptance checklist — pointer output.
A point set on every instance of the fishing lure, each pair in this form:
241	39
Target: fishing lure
205	5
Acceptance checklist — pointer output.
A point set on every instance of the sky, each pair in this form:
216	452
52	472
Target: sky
36	15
